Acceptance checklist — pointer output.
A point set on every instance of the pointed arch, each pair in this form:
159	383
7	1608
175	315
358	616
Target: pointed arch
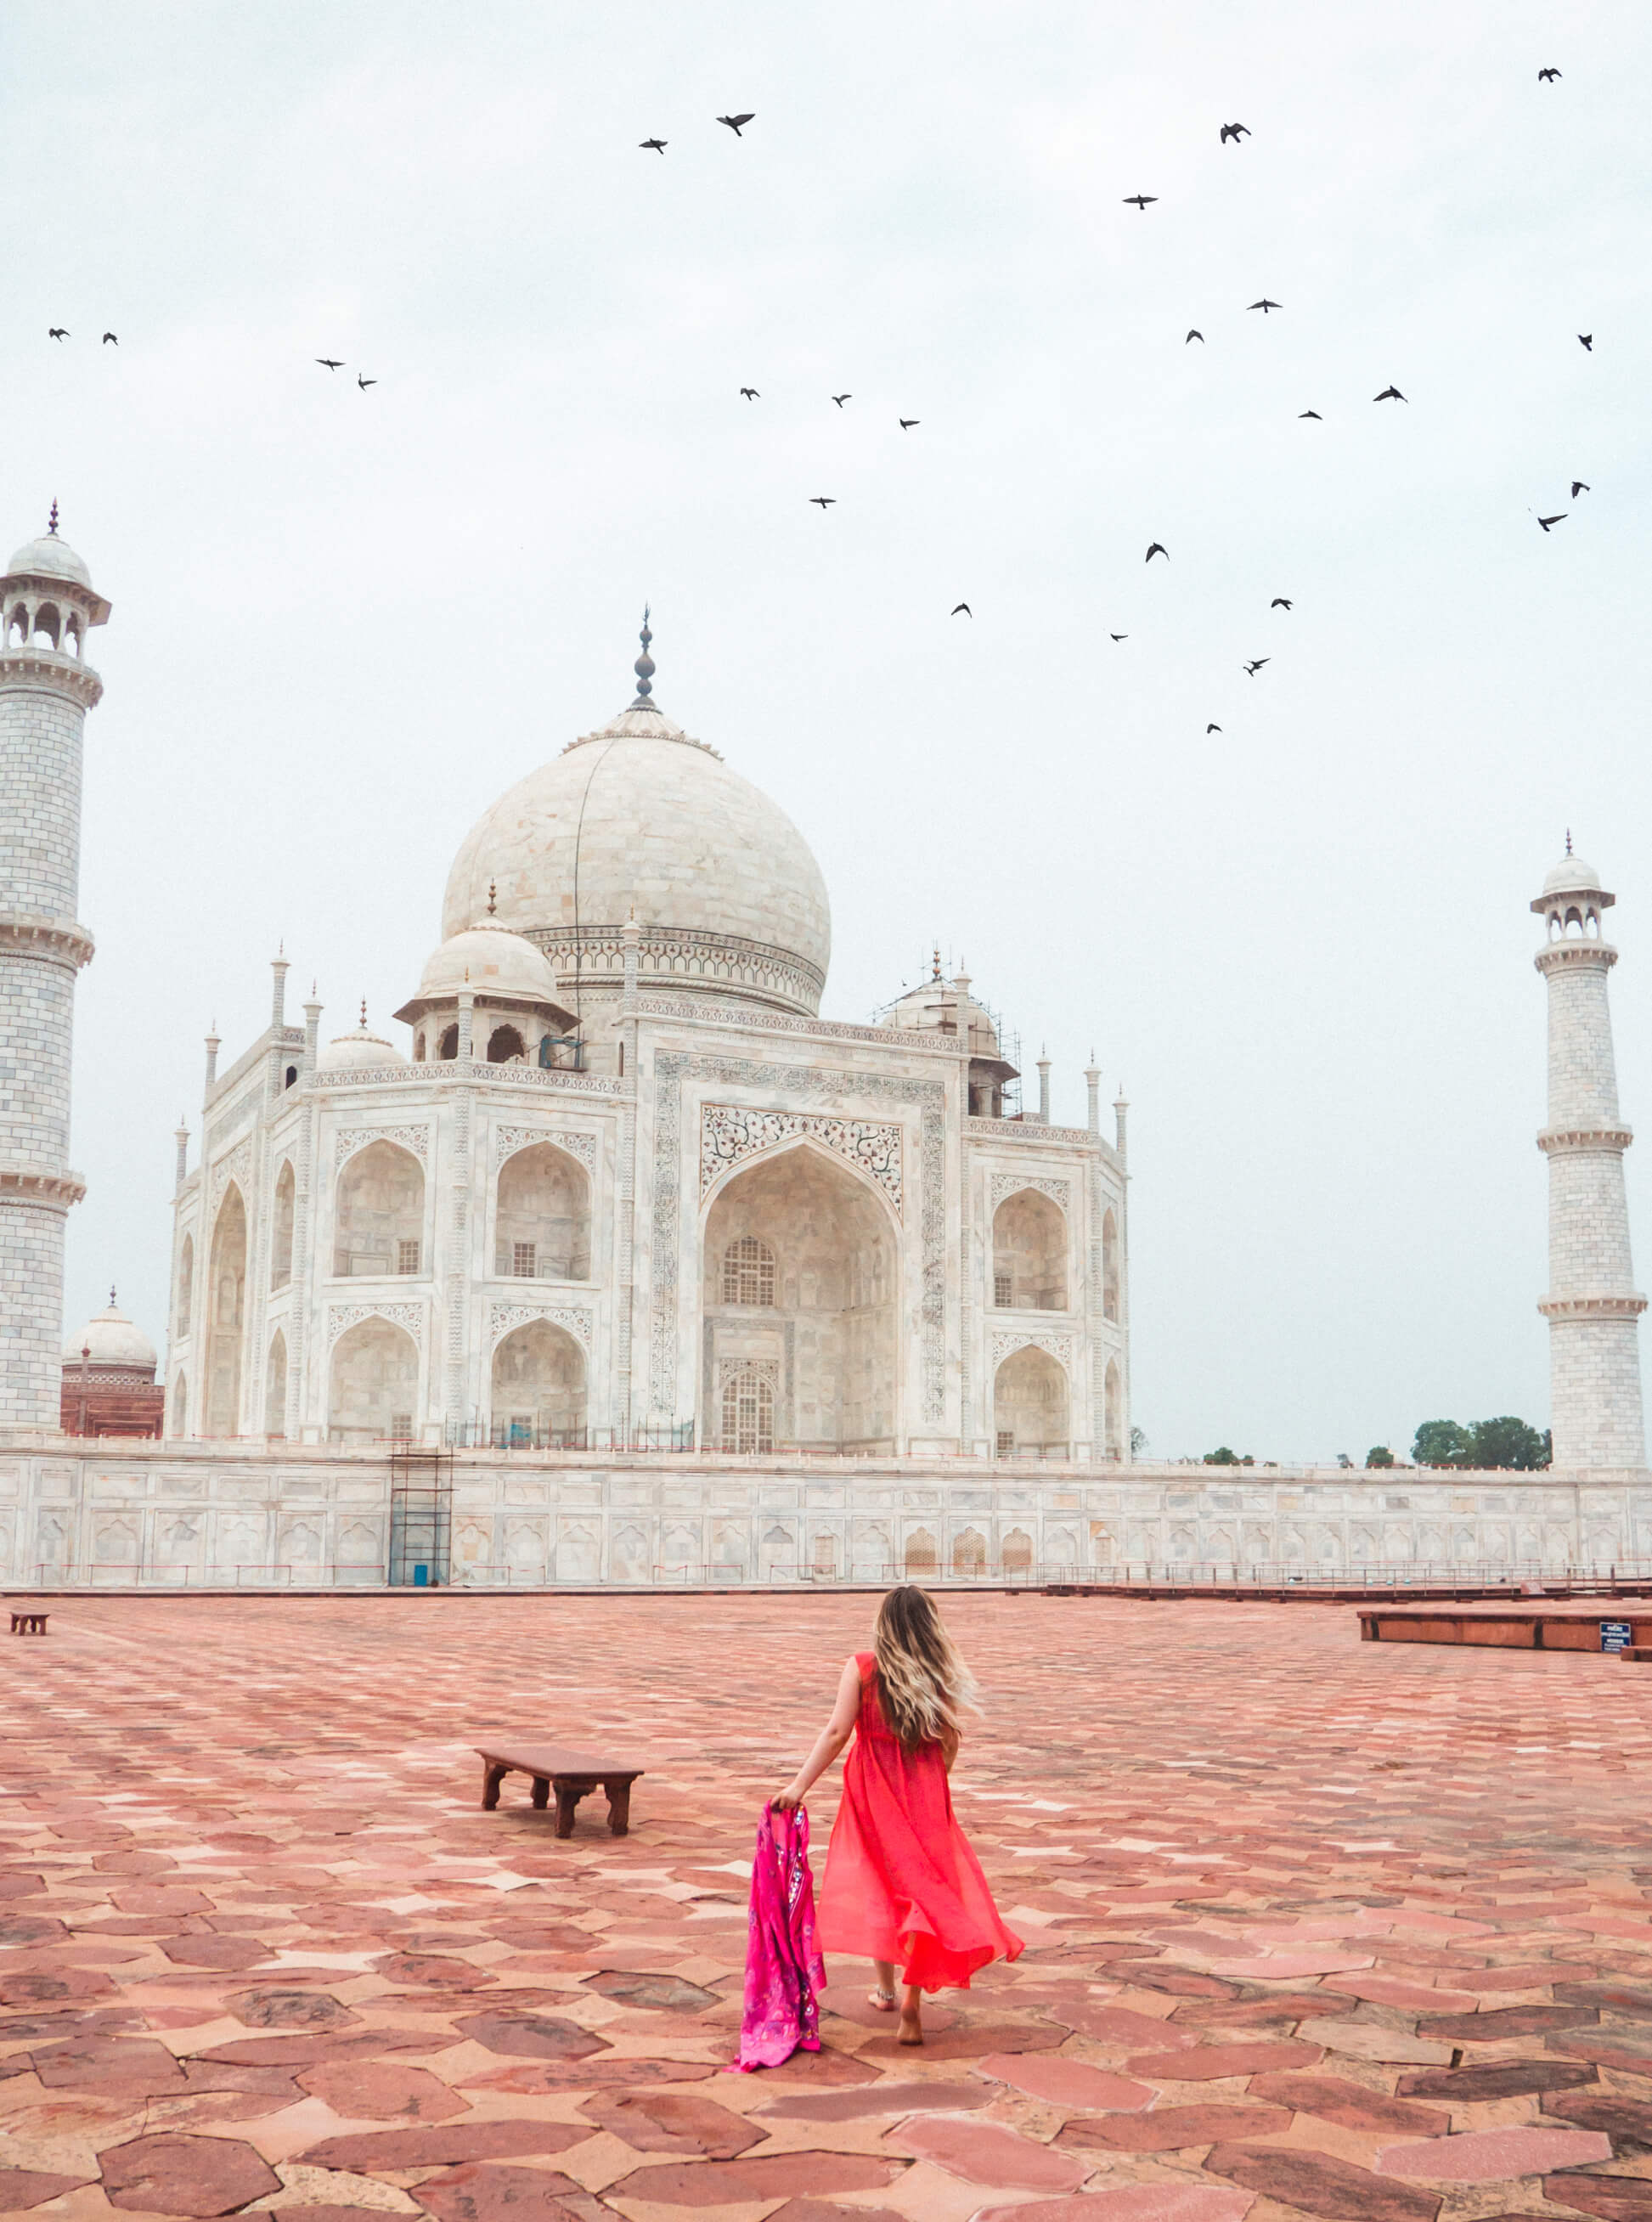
1029	1253
275	1386
226	1315
177	1406
286	1189
372	1383
541	1224
1109	1265
539	1386
183	1304
378	1223
1029	1405
1112	1411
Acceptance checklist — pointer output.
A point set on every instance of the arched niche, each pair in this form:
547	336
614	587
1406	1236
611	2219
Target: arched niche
539	1386
447	1048
1109	1265
541	1229
275	1387
505	1045
1029	1253
185	1307
1029	1404
177	1406
380	1227
226	1293
282	1226
969	1554
828	1338
922	1556
371	1383
1113	1413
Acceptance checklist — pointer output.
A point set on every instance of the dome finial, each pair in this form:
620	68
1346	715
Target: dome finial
493	898
1568	840
644	667
52	522
935	962
364	1010
111	1296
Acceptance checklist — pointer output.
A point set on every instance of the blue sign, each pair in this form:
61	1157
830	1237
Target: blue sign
1615	1636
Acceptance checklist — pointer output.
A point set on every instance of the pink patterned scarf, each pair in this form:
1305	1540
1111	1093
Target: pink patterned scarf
783	1967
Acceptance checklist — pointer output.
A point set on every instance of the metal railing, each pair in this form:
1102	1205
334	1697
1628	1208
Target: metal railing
515	1435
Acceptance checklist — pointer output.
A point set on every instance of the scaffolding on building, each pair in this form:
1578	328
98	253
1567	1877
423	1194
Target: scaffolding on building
421	1518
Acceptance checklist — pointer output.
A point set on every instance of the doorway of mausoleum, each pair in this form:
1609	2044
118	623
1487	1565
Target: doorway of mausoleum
799	1296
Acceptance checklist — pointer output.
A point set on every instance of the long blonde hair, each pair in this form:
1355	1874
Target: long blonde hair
923	1687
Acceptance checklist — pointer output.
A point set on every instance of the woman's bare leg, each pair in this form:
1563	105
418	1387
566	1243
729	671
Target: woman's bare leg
882	1995
912	2028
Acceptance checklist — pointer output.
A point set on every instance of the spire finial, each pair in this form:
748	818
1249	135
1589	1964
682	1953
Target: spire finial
364	1010
51	526
935	962
493	897
644	666
1568	840
111	1296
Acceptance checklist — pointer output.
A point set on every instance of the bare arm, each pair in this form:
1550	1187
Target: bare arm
950	1741
830	1741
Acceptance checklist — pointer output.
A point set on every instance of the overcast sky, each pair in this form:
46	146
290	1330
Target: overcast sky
346	621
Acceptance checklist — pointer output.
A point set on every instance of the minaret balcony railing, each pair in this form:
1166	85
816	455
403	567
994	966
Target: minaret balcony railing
54	1191
65	673
1614	1139
27	933
1590	956
1628	1306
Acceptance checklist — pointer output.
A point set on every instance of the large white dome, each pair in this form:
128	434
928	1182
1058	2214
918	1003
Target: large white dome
113	1341
637	820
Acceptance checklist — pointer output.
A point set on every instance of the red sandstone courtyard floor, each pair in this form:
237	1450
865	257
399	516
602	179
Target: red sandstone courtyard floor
1315	1927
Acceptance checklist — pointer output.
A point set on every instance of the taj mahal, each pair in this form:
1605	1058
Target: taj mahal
623	1179
661	1269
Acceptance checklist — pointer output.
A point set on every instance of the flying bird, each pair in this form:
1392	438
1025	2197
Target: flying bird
907	423
1142	201
1157	548
1196	334
1235	132
1314	413
1547	76
1213	729
1118	635
57	332
735	122
364	382
658	146
1279	603
1391	393
109	339
841	398
965	608
1546	521
1252	667
1587	340
329	362
1264	304
1579	486
750	394
825	501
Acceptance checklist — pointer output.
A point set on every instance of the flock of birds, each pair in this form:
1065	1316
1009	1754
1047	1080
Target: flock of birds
1230	134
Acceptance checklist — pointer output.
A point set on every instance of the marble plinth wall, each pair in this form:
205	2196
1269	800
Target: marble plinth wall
159	1515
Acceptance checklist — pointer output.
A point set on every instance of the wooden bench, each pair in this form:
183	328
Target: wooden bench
571	1774
24	1621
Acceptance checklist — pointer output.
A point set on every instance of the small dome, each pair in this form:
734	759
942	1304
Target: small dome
358	1051
493	960
1571	876
113	1341
946	1007
52	558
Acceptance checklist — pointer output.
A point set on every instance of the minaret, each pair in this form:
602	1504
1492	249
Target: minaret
47	606
1593	1310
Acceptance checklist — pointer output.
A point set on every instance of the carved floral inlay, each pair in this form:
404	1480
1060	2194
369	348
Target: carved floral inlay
507	1141
343	1317
1058	1346
1058	1191
349	1139
731	1132
504	1319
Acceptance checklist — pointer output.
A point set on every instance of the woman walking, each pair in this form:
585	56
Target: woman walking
902	1883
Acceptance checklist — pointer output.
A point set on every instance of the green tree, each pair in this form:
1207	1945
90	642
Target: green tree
1223	1457
1138	1441
1442	1443
1381	1455
1508	1443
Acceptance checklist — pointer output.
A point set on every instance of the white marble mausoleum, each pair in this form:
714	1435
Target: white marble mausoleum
617	1182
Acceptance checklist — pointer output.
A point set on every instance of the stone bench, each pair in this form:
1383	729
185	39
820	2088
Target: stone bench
1514	1626
26	1622
571	1774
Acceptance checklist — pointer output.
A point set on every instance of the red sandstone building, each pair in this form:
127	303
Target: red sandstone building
109	1379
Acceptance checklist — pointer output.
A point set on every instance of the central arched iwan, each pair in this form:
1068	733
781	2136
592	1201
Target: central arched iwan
800	1269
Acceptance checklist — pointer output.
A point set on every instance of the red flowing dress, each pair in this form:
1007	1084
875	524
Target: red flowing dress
902	1883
